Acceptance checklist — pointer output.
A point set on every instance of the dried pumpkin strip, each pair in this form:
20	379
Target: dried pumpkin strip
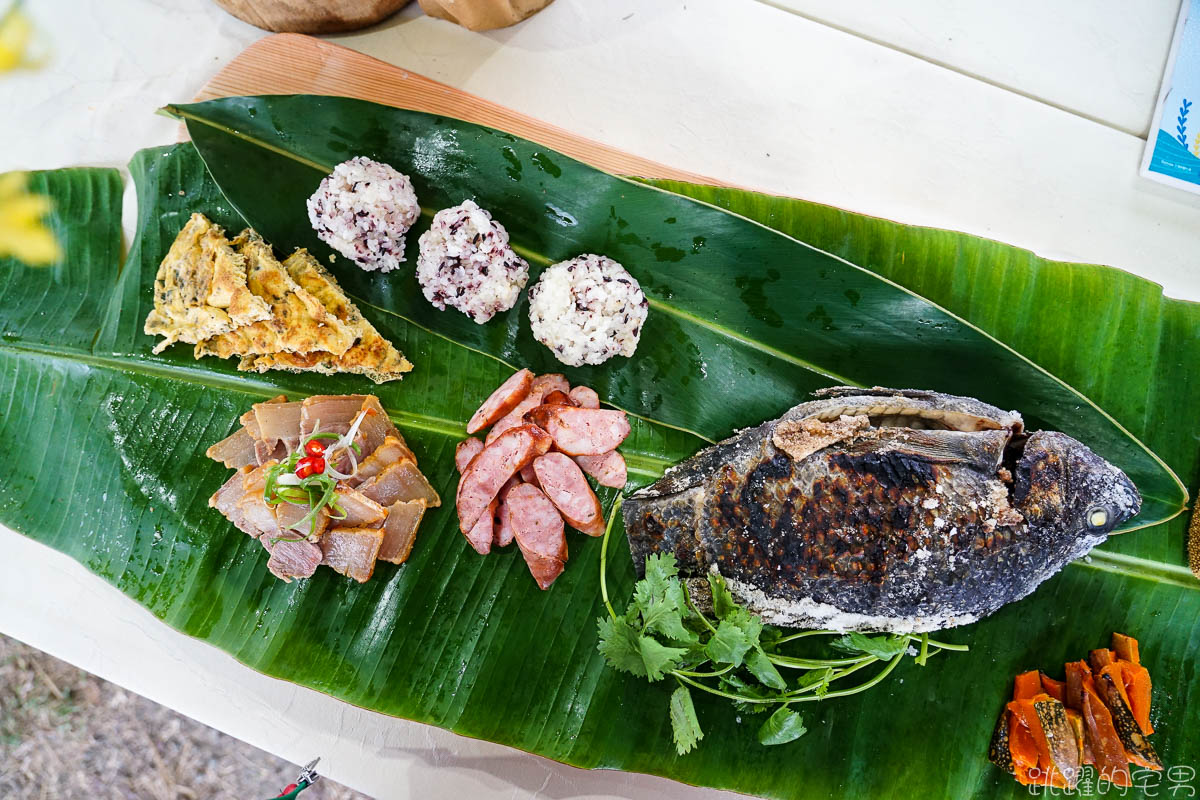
1111	689
1100	736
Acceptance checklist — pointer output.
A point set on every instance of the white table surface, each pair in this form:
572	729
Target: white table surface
1021	121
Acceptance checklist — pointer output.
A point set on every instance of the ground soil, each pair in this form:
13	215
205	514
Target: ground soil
67	734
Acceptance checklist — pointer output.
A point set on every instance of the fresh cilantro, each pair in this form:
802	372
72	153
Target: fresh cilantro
619	646
629	650
684	726
736	635
733	683
722	601
662	601
819	678
735	655
762	668
885	648
782	727
658	659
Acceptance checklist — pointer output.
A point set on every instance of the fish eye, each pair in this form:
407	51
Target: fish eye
1098	518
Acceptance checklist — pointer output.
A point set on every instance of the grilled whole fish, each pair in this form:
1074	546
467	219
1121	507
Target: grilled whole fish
881	509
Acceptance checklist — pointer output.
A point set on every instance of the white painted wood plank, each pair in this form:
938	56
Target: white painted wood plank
51	602
1102	59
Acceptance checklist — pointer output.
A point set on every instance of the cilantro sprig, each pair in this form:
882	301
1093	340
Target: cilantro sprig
733	654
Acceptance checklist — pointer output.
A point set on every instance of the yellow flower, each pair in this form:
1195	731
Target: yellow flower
15	34
23	233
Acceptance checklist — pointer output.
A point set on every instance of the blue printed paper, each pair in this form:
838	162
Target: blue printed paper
1173	150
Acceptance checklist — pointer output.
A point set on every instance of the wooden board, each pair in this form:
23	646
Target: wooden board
289	63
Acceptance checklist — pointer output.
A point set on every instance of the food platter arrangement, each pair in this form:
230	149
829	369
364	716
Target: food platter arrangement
785	484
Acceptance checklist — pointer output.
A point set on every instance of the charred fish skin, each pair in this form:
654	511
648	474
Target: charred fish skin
882	510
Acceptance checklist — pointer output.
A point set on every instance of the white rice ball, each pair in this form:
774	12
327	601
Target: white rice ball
587	310
362	210
465	262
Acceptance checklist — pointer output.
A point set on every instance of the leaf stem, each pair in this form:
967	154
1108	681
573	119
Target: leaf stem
612	518
802	634
958	648
718	673
814	663
924	655
688	597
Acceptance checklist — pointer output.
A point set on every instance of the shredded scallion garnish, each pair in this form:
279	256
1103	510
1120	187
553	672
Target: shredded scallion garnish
317	491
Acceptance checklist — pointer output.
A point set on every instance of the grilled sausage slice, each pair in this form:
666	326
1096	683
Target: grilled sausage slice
502	536
493	467
585	397
483	531
466	450
608	469
562	481
538	528
502	401
581	431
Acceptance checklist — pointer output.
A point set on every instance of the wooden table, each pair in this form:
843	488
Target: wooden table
1022	121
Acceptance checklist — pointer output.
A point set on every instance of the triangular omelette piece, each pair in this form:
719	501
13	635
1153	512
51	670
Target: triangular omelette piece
200	289
372	355
298	323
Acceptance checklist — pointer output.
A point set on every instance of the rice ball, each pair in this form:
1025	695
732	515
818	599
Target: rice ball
465	262
587	310
362	210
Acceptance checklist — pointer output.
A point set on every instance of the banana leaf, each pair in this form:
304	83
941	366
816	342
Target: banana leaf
743	321
450	638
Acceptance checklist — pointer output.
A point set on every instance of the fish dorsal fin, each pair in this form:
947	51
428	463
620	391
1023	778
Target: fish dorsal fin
907	408
981	450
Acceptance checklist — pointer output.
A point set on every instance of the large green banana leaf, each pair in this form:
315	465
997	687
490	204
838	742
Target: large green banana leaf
451	638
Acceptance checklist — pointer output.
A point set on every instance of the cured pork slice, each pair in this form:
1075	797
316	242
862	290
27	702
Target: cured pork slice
392	450
352	551
361	511
400	530
226	498
290	519
234	451
376	426
201	290
400	481
293	559
370	355
334	412
298	322
278	423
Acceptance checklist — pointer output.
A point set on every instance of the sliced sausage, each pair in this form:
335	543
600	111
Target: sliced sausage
490	470
501	401
562	481
608	469
538	529
581	431
502	536
558	398
528	475
554	381
544	569
481	533
517	416
585	397
466	450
